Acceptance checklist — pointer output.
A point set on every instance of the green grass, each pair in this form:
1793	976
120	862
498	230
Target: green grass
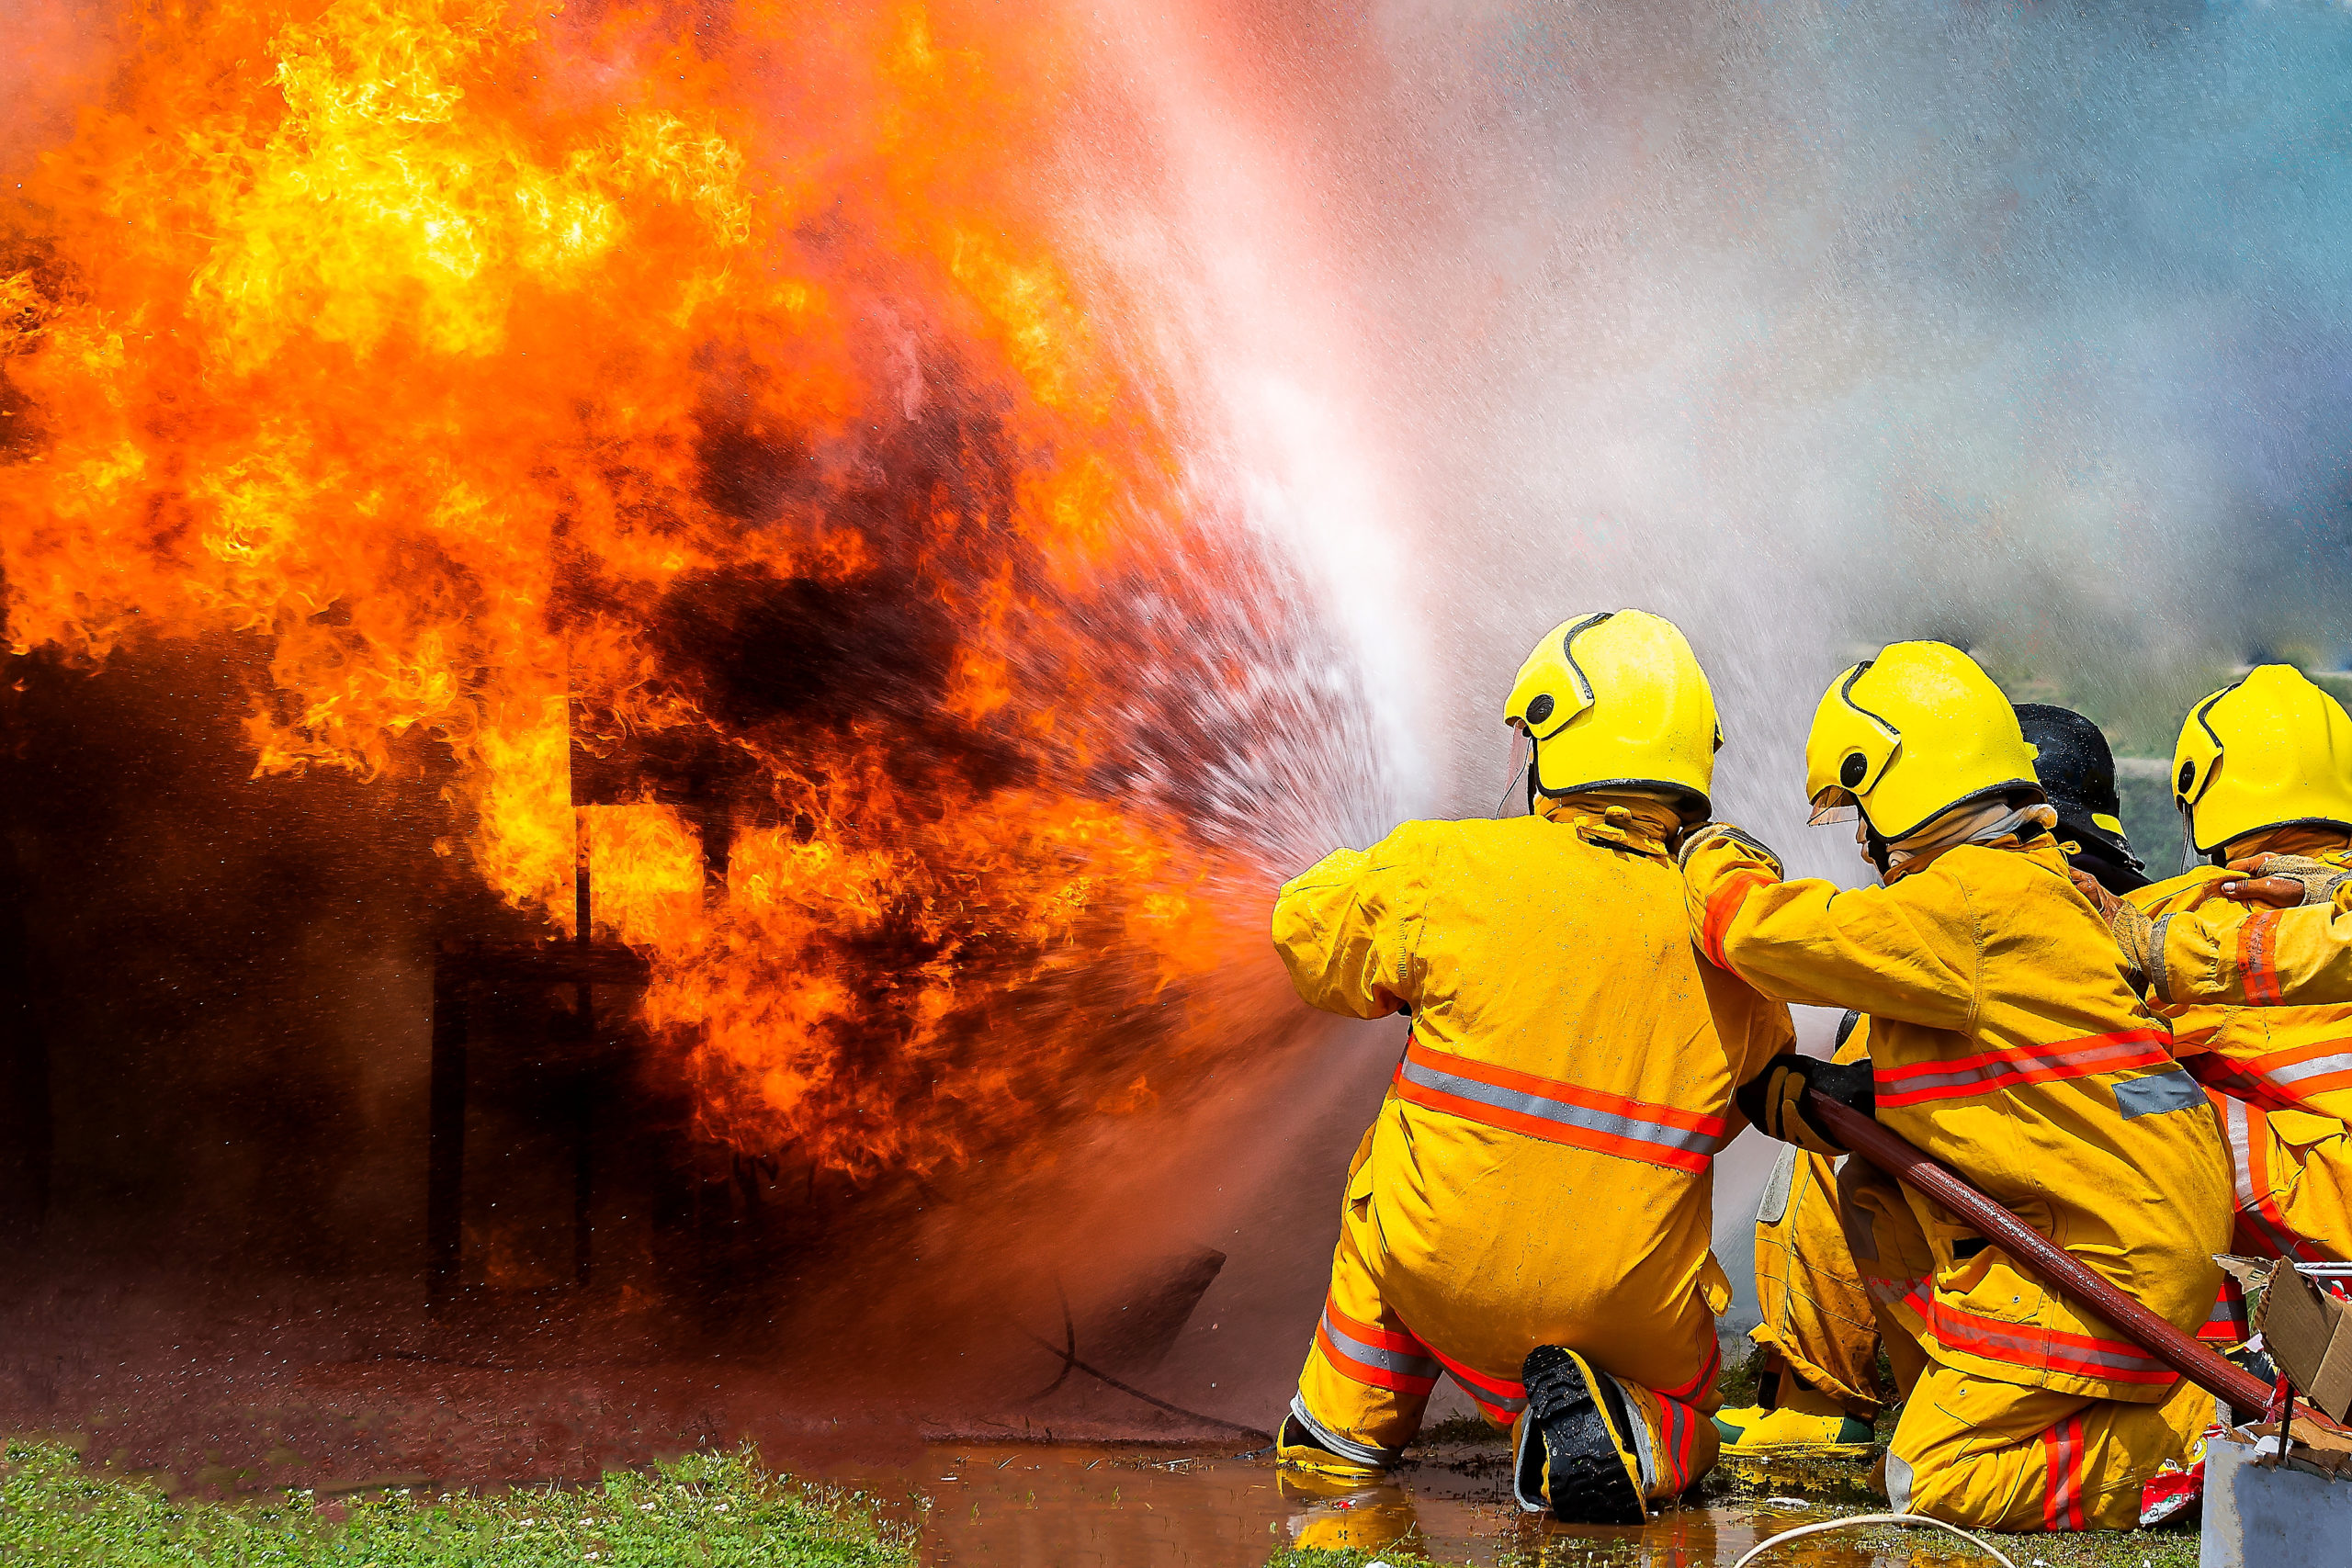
705	1511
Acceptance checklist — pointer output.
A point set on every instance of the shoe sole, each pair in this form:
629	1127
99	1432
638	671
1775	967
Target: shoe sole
1590	1466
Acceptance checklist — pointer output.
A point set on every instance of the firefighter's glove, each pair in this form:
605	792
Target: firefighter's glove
2134	933
2284	882
1708	832
1774	1098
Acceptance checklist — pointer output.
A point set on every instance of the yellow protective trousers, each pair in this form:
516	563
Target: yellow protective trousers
1987	1455
1990	1453
1369	1372
1816	1311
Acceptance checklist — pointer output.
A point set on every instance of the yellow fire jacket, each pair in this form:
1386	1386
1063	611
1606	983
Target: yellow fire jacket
2007	1043
2293	1061
1546	1154
2215	950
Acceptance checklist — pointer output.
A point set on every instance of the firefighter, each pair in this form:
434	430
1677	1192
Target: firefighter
2264	768
2293	945
2006	1042
1819	1393
1530	1211
1820	1389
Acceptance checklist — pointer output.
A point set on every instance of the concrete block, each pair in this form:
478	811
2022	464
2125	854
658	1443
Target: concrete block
2294	1516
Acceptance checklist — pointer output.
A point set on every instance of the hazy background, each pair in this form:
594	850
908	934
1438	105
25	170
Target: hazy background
1811	326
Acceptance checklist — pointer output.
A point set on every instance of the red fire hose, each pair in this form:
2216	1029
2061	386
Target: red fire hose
2056	1267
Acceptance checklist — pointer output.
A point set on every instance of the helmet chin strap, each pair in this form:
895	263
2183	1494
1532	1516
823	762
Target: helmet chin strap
1875	849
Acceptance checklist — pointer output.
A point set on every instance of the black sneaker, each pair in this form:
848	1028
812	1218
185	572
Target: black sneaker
1576	1447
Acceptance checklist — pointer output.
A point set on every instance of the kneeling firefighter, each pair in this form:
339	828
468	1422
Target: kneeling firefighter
2264	768
1531	1209
2005	1042
1820	1388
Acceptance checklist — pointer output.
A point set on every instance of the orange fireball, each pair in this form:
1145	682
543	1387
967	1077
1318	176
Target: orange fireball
593	389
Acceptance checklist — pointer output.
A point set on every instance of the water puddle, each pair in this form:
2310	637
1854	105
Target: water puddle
1087	1507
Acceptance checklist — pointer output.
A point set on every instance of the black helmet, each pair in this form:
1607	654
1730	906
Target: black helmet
2077	771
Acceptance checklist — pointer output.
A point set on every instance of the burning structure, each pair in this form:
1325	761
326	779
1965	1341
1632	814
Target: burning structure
677	455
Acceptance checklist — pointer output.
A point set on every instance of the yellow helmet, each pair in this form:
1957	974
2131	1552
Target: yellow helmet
2273	749
1617	699
1911	733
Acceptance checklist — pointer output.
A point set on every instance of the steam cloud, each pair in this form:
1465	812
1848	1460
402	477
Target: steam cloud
1810	326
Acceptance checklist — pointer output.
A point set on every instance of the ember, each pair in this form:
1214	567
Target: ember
599	392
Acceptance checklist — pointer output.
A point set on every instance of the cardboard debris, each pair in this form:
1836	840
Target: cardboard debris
2307	1330
2323	1450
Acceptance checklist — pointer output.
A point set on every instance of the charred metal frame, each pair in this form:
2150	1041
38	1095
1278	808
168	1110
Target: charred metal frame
704	789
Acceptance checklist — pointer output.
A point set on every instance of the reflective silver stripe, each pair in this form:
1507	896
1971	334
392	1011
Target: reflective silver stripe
2238	1125
1898	1482
1486	1396
1396	1361
2296	1072
1527	1479
1775	1201
2156	981
1545	1109
1346	1448
2120	1359
1894	1292
2005	1067
1640	1433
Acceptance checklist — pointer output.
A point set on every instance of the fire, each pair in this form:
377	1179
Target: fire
558	384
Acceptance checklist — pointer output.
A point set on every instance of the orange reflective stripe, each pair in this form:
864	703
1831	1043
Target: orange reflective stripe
1681	1425
2279	1080
2225	1324
2063	1456
1556	1113
1723	907
2225	1080
1688	1391
2259	1216
2258	953
1500	1398
1375	1356
2008	1066
2050	1350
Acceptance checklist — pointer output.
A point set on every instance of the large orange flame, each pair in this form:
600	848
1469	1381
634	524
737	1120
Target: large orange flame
674	380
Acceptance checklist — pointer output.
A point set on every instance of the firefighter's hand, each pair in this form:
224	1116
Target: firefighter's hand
1708	832
2105	902
1774	1098
2133	931
2283	882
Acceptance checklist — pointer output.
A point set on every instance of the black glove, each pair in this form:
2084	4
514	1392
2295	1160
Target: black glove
1774	1098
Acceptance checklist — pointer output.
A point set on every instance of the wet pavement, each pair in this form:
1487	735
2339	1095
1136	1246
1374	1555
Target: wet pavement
1111	1508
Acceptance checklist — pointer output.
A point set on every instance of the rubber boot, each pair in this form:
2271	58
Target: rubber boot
1576	1444
1773	1371
1807	1425
1295	1448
